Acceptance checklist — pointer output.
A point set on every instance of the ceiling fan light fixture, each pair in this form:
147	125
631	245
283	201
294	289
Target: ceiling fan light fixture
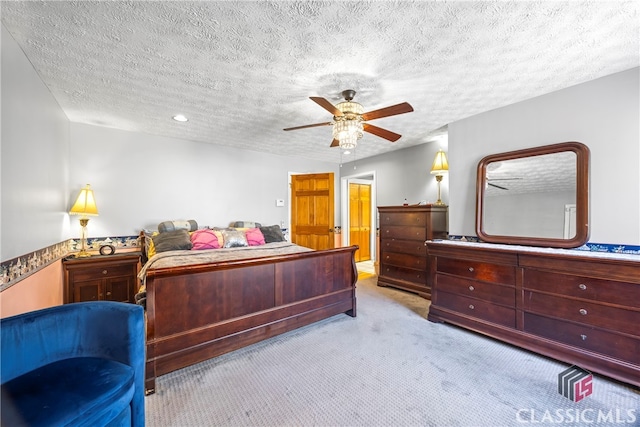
347	132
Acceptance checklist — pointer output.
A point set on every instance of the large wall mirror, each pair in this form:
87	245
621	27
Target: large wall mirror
537	196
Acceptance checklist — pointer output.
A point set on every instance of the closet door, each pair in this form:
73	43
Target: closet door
360	220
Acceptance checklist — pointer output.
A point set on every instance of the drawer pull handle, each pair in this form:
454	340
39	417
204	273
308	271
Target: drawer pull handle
471	288
471	306
108	294
582	286
583	311
104	271
584	337
387	256
417	276
471	269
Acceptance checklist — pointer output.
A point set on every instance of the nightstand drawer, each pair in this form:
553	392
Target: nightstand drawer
105	271
477	308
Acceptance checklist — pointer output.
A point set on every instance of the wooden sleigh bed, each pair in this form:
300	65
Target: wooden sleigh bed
199	311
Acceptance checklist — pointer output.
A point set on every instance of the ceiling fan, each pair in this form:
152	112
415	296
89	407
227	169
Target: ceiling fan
350	120
500	179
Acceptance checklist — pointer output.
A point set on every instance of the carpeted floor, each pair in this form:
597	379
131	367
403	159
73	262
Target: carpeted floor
387	367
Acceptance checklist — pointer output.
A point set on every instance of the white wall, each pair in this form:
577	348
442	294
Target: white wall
603	114
403	174
34	157
140	180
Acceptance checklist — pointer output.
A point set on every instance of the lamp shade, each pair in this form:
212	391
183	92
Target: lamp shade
440	165
85	203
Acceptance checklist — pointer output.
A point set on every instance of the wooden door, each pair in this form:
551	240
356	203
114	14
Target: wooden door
360	220
312	211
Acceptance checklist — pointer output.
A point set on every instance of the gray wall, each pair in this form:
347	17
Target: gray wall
140	180
34	156
603	114
403	174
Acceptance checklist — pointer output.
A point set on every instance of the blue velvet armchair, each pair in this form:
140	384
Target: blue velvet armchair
74	365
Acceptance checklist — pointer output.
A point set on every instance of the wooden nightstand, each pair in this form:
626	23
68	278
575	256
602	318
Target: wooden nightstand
101	277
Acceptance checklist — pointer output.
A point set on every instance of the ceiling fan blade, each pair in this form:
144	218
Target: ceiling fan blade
388	111
335	143
382	133
310	126
326	105
497	186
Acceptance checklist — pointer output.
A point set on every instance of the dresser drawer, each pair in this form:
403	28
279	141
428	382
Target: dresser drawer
615	345
626	294
477	308
401	273
403	260
411	247
500	294
103	271
494	273
417	219
606	317
402	232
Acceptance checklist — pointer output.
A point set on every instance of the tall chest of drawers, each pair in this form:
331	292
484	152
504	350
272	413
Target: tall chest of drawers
404	231
582	309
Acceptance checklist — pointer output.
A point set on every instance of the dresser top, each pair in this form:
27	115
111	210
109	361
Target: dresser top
539	250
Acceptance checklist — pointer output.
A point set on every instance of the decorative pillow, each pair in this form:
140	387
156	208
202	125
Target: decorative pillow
254	237
149	248
234	239
245	224
204	239
220	237
172	241
272	233
165	226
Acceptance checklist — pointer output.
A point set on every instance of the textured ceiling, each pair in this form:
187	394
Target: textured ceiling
244	70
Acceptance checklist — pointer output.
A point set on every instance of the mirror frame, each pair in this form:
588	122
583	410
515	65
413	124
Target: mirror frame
582	196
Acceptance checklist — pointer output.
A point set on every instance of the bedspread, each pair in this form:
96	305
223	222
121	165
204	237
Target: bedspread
209	256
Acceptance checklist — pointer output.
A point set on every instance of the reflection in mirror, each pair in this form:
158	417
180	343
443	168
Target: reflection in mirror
537	196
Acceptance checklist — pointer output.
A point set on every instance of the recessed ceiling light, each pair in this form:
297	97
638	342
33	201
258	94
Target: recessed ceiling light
180	118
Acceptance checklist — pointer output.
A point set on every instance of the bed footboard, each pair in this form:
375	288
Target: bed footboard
198	312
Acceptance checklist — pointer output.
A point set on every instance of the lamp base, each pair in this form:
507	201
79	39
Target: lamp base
82	254
440	203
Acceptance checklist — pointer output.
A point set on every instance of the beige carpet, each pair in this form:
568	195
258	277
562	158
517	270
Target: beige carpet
387	367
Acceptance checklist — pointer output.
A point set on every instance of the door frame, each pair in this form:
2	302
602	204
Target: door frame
359	178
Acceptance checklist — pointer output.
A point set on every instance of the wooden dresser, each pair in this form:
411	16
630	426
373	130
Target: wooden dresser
580	308
404	231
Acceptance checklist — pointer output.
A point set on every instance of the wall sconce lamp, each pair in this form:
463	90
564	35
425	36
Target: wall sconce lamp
439	168
84	206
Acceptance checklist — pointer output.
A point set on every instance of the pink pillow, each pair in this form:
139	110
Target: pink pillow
204	239
254	237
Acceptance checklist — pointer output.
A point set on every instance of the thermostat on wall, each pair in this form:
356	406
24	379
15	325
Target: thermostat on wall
279	202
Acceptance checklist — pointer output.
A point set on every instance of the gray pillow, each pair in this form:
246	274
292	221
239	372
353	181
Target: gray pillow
234	239
172	241
272	233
